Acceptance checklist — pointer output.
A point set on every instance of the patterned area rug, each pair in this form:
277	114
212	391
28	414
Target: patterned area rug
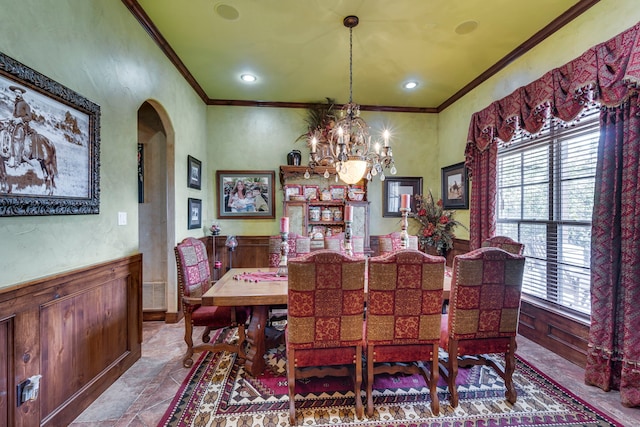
217	392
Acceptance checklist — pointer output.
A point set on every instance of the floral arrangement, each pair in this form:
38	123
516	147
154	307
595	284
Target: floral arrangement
436	224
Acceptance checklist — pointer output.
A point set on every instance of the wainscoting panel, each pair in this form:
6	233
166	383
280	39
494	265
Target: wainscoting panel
80	330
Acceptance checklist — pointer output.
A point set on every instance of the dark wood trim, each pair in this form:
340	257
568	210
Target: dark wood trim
555	25
80	330
562	20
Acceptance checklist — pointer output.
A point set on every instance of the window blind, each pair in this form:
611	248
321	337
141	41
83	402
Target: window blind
545	198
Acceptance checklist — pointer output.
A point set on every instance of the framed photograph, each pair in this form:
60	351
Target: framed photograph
49	146
195	213
338	192
194	173
246	194
310	192
292	190
393	188
455	187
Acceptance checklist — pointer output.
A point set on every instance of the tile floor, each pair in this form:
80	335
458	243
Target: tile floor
143	393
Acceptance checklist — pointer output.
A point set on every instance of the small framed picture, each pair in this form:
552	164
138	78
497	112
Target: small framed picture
394	188
310	192
194	173
195	213
455	184
292	190
338	192
245	194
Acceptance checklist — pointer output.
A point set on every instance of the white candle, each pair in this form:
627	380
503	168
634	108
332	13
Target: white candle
314	141
284	224
405	201
348	213
386	138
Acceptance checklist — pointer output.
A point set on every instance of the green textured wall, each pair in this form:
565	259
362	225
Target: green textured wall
99	50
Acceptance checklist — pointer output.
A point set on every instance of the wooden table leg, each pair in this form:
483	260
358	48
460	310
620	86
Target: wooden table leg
255	340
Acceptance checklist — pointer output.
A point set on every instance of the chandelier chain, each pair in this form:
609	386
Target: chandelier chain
350	65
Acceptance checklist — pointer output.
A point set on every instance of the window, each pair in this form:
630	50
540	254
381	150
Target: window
545	200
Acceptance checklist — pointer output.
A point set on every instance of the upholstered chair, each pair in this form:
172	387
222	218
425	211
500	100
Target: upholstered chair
194	279
325	322
392	242
336	243
506	243
484	306
404	306
298	245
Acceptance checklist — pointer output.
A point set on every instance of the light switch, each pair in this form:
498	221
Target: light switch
122	218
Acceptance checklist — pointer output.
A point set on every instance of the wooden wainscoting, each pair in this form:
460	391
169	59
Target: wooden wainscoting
252	251
80	330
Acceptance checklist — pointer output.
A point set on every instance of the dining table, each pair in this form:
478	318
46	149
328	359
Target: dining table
261	289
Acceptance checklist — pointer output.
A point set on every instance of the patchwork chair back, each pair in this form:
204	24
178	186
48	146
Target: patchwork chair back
325	322
298	245
392	242
484	306
194	279
404	306
506	243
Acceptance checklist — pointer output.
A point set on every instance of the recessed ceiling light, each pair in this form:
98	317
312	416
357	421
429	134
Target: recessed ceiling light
248	78
227	12
410	85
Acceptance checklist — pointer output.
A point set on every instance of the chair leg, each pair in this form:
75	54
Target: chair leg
206	335
358	383
452	367
433	382
291	380
187	360
509	368
370	380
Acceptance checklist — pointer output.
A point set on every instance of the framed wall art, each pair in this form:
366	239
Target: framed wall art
195	213
246	194
393	188
455	187
49	146
194	173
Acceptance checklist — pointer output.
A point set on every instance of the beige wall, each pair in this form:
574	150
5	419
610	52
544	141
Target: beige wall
97	49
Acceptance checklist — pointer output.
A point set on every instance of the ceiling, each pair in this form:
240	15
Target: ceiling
299	49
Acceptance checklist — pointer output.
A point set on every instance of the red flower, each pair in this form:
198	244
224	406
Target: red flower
444	219
422	212
439	202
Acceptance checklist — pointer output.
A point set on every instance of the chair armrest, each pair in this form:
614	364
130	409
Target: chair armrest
192	300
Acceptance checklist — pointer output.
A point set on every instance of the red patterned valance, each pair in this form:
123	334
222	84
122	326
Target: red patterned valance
606	73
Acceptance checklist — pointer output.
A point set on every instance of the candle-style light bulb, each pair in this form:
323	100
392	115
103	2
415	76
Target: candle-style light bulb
314	142
386	135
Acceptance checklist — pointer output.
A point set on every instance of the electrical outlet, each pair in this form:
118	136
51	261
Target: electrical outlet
28	389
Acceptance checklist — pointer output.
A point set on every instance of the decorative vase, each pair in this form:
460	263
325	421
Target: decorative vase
294	158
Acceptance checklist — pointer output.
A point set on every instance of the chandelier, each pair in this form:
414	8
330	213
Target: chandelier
349	143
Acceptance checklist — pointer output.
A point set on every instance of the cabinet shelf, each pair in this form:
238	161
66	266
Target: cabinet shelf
326	222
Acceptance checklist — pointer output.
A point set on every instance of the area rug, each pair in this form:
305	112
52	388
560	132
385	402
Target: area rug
217	392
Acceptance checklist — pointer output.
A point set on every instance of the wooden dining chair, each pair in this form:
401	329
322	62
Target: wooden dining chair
484	306
194	279
506	243
325	322
404	305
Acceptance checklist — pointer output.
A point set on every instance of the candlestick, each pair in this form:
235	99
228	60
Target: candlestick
348	248
405	201
283	269
284	224
404	236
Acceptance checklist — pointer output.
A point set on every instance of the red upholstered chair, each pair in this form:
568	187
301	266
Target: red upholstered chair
298	245
404	306
194	279
325	322
483	314
392	242
506	243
